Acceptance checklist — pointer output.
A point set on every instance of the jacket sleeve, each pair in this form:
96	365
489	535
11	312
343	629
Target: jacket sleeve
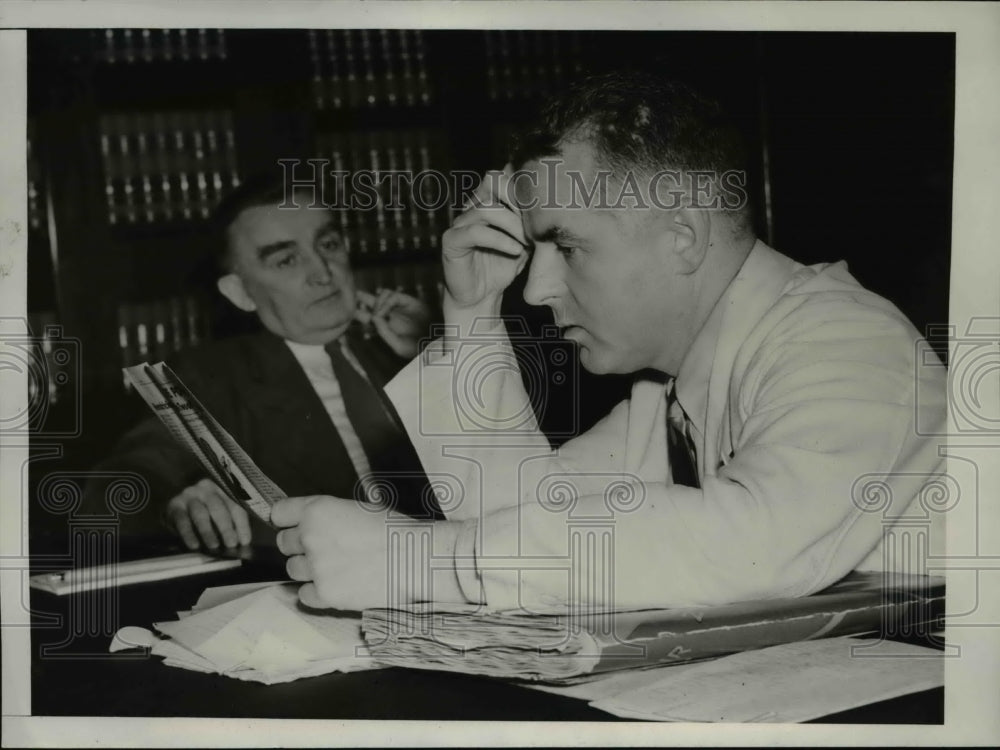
148	449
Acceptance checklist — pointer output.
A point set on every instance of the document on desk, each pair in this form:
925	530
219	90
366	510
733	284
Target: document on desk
256	632
793	682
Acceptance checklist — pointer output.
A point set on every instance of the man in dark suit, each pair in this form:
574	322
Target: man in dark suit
294	395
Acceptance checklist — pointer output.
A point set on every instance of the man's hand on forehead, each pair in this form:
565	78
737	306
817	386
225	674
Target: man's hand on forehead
492	204
485	247
495	191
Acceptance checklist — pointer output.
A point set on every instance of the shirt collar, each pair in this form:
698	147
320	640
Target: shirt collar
694	374
308	354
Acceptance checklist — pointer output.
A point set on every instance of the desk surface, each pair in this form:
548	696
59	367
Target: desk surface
72	674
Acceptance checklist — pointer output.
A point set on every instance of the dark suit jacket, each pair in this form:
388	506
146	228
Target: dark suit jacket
255	388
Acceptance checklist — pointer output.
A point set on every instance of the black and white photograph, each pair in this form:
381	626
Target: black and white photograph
499	373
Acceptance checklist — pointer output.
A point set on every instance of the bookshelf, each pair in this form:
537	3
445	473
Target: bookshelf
137	133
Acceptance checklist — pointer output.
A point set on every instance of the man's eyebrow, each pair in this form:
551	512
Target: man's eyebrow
559	235
266	251
329	227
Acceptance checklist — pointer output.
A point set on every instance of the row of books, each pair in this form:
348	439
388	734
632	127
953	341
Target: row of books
154	330
354	68
526	64
159	45
164	166
36	198
409	203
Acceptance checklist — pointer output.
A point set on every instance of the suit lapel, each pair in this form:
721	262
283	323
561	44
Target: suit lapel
378	360
298	439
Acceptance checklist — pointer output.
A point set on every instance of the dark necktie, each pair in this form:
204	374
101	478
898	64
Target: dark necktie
396	468
680	447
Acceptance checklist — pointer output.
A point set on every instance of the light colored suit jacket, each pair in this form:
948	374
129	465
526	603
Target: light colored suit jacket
808	395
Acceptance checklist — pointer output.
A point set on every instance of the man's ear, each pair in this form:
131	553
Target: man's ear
691	228
232	288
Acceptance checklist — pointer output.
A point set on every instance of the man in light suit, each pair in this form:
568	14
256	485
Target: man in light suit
770	398
276	391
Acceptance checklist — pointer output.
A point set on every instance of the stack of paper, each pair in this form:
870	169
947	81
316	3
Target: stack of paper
462	639
255	632
558	647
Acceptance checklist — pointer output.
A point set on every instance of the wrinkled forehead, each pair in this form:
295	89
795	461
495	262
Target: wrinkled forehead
557	179
265	225
569	192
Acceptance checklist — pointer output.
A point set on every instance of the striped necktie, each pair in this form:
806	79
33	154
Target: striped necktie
680	447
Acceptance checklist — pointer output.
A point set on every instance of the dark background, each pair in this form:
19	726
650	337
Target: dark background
850	134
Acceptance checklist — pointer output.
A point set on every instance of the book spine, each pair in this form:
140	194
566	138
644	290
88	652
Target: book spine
333	149
122	168
492	74
180	146
388	68
362	213
193	321
203	44
335	80
215	160
229	149
506	66
202	201
576	54
221	50
350	70
144	162
558	74
413	216
377	168
431	201
183	45
317	83
369	89
166	45
423	80
525	81
542	72
176	316
396	207
128	46
409	81
161	160
146	45
109	53
110	164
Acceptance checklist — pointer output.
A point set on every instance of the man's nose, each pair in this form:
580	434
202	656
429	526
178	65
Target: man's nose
320	269
544	276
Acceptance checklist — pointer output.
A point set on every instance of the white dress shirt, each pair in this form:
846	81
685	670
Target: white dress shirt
315	362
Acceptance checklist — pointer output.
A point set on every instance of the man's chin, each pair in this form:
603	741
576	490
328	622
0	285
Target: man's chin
601	363
324	333
590	362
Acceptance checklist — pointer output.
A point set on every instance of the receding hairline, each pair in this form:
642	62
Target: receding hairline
266	200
